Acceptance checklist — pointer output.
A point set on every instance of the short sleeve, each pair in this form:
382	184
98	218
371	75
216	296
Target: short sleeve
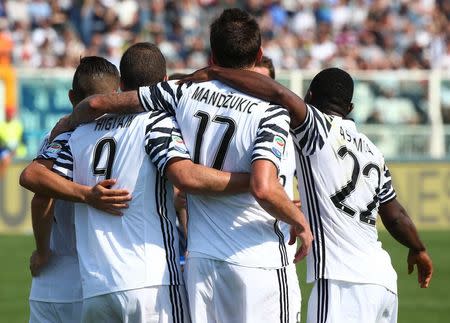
59	151
50	151
163	96
163	140
310	136
272	134
42	147
387	192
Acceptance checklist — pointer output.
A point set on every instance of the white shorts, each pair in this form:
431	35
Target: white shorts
334	301
221	292
47	312
157	304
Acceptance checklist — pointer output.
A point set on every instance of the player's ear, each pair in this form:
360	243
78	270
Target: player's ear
212	60
350	108
71	96
259	55
122	86
308	96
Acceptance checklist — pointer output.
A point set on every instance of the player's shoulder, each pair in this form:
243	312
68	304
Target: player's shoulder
65	136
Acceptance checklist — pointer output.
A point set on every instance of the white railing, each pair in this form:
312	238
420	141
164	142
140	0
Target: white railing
421	90
402	97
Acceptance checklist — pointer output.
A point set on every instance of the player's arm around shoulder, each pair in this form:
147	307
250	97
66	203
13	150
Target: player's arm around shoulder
95	106
257	85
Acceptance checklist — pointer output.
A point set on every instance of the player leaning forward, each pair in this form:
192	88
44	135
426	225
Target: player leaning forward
130	265
239	267
343	183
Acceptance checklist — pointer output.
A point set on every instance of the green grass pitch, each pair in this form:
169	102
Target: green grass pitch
415	304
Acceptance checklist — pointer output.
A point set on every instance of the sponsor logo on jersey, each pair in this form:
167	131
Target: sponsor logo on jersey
54	148
276	152
180	149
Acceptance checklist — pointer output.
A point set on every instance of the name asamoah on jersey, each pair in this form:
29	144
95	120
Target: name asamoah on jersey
230	101
359	142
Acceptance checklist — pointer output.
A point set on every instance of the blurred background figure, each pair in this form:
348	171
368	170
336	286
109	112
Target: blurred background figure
11	131
265	67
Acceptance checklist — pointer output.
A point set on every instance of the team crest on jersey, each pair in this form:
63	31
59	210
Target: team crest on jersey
177	139
279	141
54	148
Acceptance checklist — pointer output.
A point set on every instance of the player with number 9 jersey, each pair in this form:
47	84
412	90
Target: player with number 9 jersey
139	249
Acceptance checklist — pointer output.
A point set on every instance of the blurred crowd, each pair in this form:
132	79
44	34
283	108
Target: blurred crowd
305	34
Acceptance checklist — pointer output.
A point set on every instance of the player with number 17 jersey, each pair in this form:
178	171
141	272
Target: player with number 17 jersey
342	206
228	130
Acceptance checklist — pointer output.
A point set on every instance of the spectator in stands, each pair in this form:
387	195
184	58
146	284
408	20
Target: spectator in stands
296	34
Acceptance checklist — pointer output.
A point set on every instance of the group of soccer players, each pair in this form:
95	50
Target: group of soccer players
231	139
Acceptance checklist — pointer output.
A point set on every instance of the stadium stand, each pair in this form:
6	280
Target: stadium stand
310	34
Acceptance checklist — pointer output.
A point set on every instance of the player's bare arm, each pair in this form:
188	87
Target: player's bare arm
197	179
257	85
38	177
269	193
97	105
401	227
41	219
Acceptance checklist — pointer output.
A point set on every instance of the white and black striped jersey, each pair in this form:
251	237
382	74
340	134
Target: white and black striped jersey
59	281
228	130
140	248
343	179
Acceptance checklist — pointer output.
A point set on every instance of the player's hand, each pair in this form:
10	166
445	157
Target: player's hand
38	261
306	238
179	199
424	266
112	201
63	125
198	76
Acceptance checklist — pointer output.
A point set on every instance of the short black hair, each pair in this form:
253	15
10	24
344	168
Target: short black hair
267	63
332	90
142	64
94	75
235	39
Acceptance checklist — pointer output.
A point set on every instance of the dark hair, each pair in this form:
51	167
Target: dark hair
142	64
332	90
235	39
94	75
267	63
